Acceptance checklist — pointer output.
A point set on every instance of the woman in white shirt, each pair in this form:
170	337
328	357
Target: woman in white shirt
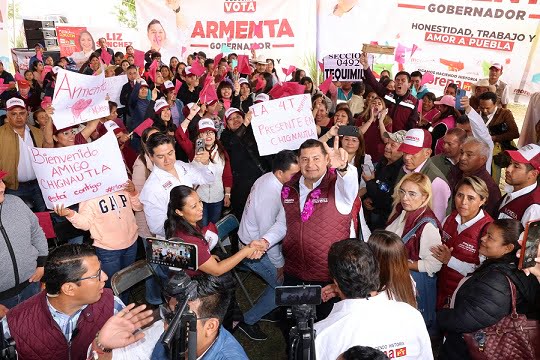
354	145
218	193
413	220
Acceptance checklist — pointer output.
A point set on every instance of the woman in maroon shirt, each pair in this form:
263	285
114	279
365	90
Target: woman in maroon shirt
184	212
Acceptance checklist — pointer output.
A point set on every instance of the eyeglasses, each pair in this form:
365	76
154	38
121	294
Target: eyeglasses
413	195
97	276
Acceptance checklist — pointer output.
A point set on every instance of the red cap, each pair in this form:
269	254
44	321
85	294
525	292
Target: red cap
527	154
415	140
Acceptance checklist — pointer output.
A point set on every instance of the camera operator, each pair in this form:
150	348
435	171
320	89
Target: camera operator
363	317
62	320
213	340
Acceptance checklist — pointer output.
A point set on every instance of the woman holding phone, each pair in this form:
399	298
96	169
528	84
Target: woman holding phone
217	194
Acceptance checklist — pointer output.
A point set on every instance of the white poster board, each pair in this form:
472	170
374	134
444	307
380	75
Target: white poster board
343	67
114	88
78	98
283	124
72	174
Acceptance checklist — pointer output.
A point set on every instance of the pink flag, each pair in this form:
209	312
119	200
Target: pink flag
326	85
183	50
260	84
400	54
321	65
289	71
46	102
208	93
197	68
414	48
139	58
276	91
143	126
177	86
218	58
152	70
47	69
426	78
106	57
243	65
19	77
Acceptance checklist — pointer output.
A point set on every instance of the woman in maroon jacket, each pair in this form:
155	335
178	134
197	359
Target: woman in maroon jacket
184	212
461	233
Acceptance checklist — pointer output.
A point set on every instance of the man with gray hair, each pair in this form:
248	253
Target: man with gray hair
472	162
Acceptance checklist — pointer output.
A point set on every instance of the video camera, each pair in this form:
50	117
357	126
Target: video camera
181	336
301	300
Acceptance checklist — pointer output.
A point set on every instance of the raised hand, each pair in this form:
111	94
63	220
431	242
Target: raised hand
328	292
247	118
364	61
337	156
118	331
63	211
465	104
129	187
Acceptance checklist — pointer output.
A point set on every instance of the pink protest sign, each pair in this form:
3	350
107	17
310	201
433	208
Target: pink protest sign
78	98
69	175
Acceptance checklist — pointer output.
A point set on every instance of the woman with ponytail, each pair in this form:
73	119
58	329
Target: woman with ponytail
184	212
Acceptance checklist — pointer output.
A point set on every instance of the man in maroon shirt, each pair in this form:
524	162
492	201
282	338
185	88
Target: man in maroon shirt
402	105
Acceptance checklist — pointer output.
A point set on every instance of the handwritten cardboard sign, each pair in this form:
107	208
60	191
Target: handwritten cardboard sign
114	88
343	67
72	174
78	98
283	123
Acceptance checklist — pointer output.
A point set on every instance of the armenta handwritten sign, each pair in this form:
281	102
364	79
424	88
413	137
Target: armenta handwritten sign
72	174
283	124
78	98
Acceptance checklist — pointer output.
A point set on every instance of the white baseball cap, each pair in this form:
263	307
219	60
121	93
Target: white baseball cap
15	102
497	66
207	124
527	154
243	81
262	97
168	85
144	83
160	105
415	140
231	111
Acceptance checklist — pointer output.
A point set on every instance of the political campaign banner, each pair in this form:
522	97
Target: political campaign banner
114	88
282	30
78	98
343	67
455	40
69	175
79	42
21	59
283	123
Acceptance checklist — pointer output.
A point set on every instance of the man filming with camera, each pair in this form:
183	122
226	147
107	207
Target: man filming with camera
363	317
213	294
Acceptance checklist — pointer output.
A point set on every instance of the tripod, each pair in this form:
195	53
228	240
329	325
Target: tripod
301	336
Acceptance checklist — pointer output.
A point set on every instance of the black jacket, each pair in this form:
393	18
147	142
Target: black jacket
246	163
483	300
381	188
